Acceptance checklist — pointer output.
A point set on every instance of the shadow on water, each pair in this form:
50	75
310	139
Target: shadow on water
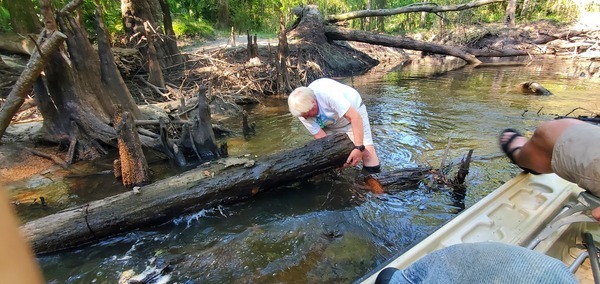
326	229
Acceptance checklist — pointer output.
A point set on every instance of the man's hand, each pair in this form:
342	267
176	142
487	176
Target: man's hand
354	158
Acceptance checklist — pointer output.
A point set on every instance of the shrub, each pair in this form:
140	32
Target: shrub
196	27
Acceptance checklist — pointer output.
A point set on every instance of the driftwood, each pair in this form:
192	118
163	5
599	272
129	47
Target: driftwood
183	194
544	38
533	88
402	179
15	43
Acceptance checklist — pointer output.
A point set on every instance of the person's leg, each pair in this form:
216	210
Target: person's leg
536	153
485	262
370	159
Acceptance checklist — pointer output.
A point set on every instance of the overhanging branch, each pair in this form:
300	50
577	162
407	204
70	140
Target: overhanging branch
420	7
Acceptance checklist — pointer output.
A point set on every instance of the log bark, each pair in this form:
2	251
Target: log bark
402	179
199	138
283	50
133	165
321	58
183	194
16	44
418	7
334	33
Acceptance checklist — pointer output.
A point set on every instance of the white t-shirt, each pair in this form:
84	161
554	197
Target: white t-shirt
334	99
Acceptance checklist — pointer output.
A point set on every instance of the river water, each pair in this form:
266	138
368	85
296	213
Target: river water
326	229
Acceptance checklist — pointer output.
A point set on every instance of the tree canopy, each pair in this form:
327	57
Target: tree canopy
201	18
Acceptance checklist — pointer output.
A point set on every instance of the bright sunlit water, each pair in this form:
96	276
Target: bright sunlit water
327	230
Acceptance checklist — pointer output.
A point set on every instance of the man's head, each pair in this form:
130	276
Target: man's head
302	102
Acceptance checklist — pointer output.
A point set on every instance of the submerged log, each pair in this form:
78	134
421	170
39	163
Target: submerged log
402	179
534	88
183	194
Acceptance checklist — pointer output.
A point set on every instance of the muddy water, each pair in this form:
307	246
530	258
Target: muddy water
326	229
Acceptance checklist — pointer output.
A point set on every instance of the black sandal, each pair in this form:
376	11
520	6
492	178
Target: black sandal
509	152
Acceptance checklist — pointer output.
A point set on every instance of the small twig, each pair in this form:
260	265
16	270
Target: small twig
538	113
154	87
578	108
443	163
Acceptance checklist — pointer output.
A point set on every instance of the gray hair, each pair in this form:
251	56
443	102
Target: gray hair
301	101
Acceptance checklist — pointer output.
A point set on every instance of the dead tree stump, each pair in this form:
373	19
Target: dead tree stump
133	165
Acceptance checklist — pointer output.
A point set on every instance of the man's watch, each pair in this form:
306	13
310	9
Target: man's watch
360	148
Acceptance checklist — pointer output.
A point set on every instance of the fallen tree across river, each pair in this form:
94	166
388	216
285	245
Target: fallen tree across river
182	194
224	181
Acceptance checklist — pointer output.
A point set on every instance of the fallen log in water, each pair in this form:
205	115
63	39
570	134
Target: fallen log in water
185	193
224	181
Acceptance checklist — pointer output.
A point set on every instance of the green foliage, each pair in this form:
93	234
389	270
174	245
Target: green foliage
558	10
189	27
198	18
4	20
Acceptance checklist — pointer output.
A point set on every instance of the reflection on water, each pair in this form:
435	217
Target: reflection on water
326	229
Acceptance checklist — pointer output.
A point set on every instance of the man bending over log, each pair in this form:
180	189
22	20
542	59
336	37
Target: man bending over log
327	106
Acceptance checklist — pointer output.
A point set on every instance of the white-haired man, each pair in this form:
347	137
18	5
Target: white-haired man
327	106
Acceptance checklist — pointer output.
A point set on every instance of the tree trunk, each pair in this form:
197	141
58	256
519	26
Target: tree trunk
171	38
511	8
201	138
183	194
155	74
423	19
331	59
132	162
137	14
527	4
80	89
283	77
23	18
223	20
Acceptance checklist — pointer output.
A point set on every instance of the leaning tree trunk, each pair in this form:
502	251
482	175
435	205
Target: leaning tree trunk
81	87
27	79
